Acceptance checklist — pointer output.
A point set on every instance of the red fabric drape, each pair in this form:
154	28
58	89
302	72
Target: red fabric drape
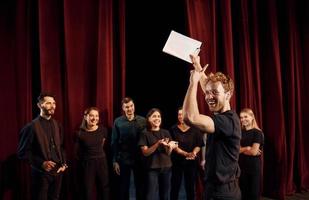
72	44
262	44
16	93
76	49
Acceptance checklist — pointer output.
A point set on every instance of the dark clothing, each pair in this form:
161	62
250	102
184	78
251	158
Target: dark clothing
159	184
249	184
250	178
90	144
125	136
45	186
225	191
93	162
251	164
41	140
222	170
95	172
158	165
159	158
187	141
188	171
126	153
139	180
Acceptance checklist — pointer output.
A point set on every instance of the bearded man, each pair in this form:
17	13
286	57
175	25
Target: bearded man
41	144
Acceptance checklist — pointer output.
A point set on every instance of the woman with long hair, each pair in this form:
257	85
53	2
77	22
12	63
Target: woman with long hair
91	156
250	155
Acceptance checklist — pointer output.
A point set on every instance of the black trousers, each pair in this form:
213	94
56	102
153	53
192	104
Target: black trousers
250	185
187	170
228	191
139	180
45	186
95	176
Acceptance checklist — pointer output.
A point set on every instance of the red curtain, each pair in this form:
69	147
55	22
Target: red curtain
76	49
72	46
262	46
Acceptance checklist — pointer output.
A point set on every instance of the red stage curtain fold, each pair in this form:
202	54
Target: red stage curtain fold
69	46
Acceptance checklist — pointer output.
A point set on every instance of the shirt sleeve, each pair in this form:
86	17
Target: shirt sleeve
224	125
142	140
258	137
24	150
25	141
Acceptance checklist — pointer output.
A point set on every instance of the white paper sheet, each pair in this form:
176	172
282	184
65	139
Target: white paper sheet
181	46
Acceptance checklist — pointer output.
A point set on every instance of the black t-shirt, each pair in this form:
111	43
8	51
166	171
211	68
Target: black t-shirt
187	141
223	149
251	164
90	144
159	158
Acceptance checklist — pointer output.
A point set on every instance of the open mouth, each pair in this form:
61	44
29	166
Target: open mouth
211	103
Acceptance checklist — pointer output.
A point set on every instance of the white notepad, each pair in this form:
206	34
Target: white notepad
181	46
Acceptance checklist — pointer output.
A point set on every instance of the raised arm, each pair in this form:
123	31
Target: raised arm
190	107
197	66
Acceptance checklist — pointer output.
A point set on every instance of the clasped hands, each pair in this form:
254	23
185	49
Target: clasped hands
249	148
167	143
190	155
50	165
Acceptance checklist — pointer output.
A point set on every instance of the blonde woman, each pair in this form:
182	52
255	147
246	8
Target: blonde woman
250	155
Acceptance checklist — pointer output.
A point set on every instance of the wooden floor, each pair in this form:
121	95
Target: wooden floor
296	196
182	195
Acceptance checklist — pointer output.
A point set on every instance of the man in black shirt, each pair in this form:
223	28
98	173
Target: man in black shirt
40	143
127	157
223	141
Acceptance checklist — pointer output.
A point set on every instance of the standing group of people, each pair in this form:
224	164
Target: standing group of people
143	148
158	158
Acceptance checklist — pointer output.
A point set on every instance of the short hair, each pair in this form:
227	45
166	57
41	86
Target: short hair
43	95
226	81
126	100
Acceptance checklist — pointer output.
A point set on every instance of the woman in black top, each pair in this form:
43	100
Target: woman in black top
190	141
250	156
90	141
157	146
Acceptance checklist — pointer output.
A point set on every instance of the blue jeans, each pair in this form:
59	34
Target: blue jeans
159	183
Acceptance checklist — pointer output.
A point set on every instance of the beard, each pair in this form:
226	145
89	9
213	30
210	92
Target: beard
48	112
